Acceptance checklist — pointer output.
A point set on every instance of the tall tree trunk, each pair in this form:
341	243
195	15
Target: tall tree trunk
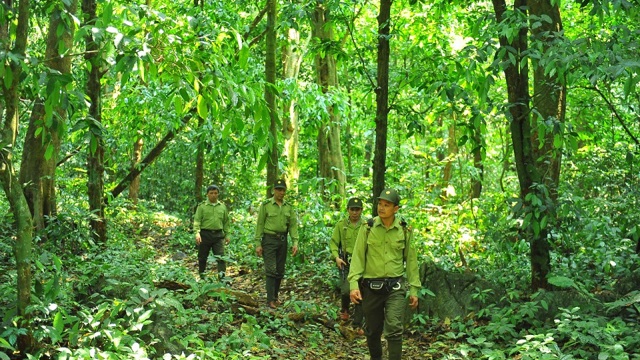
38	168
528	165
292	59
269	93
550	102
134	187
95	158
10	182
330	161
549	97
382	102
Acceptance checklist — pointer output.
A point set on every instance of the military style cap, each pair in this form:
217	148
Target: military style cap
280	184
390	195
354	203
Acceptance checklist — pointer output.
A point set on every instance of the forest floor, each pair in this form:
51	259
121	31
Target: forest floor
305	331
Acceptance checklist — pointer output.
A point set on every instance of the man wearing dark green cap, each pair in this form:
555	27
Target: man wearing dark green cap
344	237
383	267
277	219
211	225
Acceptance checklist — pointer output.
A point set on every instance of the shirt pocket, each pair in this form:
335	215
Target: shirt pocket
398	245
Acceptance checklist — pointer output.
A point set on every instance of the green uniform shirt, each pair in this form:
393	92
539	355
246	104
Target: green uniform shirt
211	216
385	254
344	234
274	219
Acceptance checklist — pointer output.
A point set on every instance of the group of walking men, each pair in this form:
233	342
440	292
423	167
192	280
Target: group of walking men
377	264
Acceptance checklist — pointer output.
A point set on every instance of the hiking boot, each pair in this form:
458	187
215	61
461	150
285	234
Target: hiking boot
273	304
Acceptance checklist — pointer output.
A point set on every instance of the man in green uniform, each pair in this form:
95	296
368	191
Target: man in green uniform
276	219
344	237
211	225
383	266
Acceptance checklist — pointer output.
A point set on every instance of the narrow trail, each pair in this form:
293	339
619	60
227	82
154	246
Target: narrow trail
306	325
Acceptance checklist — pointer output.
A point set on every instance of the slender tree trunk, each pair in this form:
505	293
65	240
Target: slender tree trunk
269	93
10	181
522	134
38	166
382	102
330	161
134	187
292	59
95	158
549	97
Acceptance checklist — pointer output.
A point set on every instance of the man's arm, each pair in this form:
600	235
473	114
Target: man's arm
413	275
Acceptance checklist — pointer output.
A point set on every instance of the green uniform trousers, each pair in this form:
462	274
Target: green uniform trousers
274	253
345	299
384	312
211	241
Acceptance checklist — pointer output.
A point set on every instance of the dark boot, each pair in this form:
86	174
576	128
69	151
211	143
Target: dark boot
395	349
375	347
271	289
278	282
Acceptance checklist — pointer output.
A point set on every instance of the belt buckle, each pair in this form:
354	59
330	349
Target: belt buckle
397	286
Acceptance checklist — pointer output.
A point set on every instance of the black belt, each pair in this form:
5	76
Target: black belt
279	236
394	283
219	231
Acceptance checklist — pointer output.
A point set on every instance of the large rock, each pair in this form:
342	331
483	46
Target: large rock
456	294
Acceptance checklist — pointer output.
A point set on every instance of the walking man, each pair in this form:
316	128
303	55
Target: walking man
344	237
211	225
383	267
277	219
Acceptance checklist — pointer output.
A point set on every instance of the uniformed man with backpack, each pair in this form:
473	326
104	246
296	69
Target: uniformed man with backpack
383	268
343	238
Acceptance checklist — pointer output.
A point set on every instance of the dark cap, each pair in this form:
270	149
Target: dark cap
213	187
390	195
280	184
354	203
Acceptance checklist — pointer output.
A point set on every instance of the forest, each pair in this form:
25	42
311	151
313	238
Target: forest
510	129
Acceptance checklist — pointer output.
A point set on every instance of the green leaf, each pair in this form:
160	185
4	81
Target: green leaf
49	151
8	77
146	315
58	322
5	344
178	104
561	281
203	111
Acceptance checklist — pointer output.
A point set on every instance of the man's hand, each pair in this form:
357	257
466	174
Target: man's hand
413	302
198	238
355	296
259	251
294	250
340	262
